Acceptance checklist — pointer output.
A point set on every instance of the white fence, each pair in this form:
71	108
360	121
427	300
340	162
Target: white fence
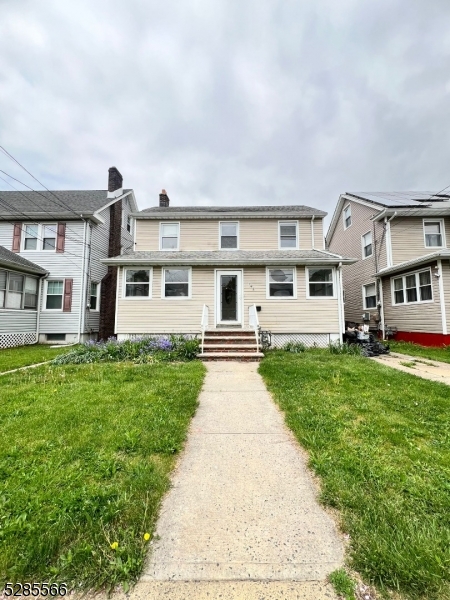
9	340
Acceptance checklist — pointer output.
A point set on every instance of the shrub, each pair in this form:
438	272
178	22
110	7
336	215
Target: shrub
338	348
295	347
138	350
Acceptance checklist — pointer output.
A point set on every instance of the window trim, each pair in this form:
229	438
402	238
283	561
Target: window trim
333	281
362	244
39	238
289	222
344	218
97	309
161	223
44	303
442	224
124	283
163	283
403	276
364	285
237	236
294	283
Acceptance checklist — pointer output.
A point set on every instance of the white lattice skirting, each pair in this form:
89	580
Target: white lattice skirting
309	339
9	340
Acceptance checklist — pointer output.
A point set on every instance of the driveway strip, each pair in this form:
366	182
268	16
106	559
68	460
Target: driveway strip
243	505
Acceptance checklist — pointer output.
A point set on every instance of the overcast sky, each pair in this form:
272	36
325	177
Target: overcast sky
227	101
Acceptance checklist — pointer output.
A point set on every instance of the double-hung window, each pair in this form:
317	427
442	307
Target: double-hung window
281	283
128	224
137	283
434	233
288	234
320	283
40	237
49	237
169	236
411	288
370	295
54	296
93	297
347	216
176	283
31	293
31	233
229	232
367	245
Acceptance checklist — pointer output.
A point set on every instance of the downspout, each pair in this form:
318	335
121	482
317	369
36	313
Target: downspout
340	302
381	308
40	294
442	297
88	281
388	239
312	231
82	283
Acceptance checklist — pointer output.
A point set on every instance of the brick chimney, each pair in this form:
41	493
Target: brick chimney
163	198
115	183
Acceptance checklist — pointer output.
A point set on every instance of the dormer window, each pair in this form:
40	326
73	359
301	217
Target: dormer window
433	231
229	232
347	216
288	234
169	236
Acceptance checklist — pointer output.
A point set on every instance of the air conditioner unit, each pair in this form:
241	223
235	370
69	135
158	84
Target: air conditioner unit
366	316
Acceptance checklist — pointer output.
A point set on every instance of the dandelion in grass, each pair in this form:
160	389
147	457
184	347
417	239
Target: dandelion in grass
146	536
114	545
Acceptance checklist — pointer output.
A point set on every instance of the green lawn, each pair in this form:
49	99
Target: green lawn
85	455
380	441
22	356
442	354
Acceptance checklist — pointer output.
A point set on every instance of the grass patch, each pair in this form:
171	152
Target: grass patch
85	454
22	356
343	584
380	441
410	364
441	354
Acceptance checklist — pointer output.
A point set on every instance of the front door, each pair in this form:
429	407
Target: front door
228	295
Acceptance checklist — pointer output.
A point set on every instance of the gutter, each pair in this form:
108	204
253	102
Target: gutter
218	263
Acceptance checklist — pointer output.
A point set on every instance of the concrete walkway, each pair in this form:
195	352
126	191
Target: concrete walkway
416	365
243	506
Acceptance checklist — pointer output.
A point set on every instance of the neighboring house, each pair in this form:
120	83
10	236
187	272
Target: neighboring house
67	234
20	289
214	267
402	277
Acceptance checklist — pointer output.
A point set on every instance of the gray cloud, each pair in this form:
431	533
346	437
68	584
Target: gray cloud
231	102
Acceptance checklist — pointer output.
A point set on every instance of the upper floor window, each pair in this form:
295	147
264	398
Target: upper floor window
370	295
169	236
137	283
288	234
39	237
434	233
229	233
367	244
320	283
347	216
281	283
18	291
414	287
128	224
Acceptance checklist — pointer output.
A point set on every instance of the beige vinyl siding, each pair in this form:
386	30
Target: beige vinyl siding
422	316
254	234
446	285
158	315
408	240
319	242
347	242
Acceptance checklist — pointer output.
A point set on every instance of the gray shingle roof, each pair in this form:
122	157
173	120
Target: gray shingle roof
15	261
294	209
59	203
415	262
235	257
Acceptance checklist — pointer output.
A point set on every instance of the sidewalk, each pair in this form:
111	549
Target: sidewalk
416	365
242	506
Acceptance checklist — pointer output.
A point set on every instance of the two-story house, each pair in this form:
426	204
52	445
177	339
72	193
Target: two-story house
225	268
64	235
402	277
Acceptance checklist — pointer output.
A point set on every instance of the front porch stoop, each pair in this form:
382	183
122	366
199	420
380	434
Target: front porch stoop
230	344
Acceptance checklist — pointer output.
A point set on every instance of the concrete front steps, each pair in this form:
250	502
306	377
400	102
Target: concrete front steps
230	344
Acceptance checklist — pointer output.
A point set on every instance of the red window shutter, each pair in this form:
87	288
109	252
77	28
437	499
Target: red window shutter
61	237
67	300
16	237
